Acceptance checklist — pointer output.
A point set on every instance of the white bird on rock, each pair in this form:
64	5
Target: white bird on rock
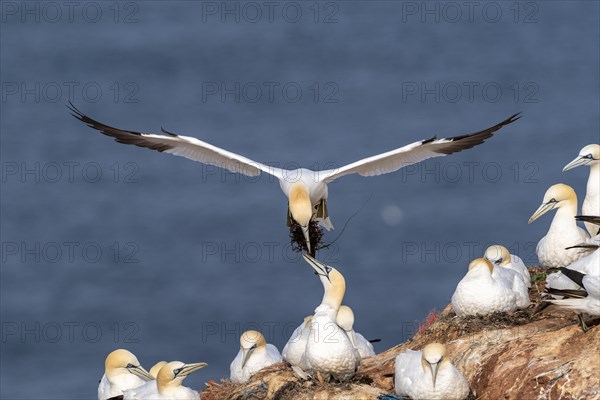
552	249
305	189
168	384
479	293
255	354
429	375
329	351
501	257
122	371
589	155
345	320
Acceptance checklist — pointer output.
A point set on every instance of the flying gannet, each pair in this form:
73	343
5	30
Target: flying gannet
429	375
500	257
168	384
586	301
589	155
122	371
552	249
329	351
345	320
156	367
305	189
255	354
479	293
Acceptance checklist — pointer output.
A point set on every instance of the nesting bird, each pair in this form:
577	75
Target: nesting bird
345	320
122	371
168	384
429	375
501	257
255	354
329	351
552	249
305	189
479	293
590	156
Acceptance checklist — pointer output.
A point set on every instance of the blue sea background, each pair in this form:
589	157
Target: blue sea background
107	246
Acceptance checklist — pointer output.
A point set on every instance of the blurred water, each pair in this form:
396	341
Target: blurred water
107	246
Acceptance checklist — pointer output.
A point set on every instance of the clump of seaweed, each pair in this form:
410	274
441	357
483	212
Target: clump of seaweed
297	237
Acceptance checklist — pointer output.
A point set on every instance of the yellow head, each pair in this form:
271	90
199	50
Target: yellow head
301	208
434	356
156	367
481	262
333	282
122	361
173	373
557	196
250	341
589	155
497	255
345	318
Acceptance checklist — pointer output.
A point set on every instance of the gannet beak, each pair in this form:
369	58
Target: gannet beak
246	355
544	208
576	163
320	268
306	237
189	368
139	371
434	371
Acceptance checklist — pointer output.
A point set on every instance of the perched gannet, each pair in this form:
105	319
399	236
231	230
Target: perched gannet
564	232
156	367
122	371
329	351
500	257
429	375
294	348
589	155
585	301
345	320
255	354
168	384
306	189
479	293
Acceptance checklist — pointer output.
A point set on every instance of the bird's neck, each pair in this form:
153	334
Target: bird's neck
565	215
594	180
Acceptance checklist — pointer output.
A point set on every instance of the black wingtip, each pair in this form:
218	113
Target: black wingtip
374	340
163	130
573	275
593	219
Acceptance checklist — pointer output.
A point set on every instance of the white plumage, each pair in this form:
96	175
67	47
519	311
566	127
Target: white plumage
588	301
122	371
590	156
329	351
479	293
309	184
501	257
429	375
345	320
254	355
294	348
552	249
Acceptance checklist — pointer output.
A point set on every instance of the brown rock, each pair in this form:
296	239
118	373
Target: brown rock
503	356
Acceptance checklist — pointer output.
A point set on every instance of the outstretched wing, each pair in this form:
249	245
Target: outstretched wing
183	146
413	153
